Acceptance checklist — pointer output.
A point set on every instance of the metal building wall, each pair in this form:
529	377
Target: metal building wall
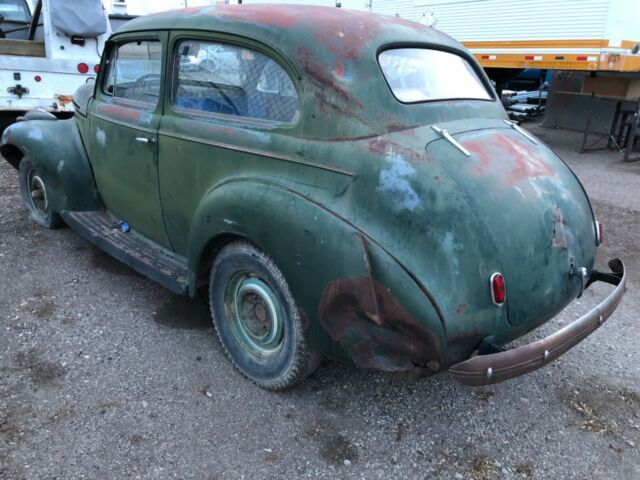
404	8
481	20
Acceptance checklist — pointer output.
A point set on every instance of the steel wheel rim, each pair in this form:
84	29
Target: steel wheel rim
256	318
37	193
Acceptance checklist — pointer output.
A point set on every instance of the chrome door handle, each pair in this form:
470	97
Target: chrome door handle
145	140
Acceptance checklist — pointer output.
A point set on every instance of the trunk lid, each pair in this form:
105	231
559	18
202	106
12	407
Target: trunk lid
535	211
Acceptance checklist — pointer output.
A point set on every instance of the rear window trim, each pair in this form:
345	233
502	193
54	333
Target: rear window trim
430	46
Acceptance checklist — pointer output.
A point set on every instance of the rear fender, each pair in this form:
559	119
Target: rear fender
356	302
56	150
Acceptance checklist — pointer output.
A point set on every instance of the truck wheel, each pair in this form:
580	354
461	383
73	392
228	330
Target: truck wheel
34	196
257	320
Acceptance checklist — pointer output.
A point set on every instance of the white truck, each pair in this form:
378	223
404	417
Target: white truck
47	50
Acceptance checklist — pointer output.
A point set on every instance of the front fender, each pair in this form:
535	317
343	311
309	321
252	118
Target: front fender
56	150
359	305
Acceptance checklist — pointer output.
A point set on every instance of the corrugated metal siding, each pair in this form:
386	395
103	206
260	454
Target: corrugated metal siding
404	8
480	20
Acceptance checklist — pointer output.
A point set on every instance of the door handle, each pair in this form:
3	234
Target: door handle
145	140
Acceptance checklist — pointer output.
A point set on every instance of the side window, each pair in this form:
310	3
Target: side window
134	71
232	80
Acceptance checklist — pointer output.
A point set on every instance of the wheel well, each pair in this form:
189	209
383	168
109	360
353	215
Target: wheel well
209	253
12	154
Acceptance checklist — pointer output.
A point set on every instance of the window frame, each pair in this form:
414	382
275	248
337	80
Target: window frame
239	42
114	45
482	76
26	8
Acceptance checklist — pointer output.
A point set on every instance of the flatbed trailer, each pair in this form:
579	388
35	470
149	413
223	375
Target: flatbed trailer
578	55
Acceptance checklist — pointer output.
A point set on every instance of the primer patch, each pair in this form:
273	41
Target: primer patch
101	137
394	183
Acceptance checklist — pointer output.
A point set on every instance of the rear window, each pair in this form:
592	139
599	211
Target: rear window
421	75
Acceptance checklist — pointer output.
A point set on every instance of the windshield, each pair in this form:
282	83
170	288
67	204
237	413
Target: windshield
15	10
420	75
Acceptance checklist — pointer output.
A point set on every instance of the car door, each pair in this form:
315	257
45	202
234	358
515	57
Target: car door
124	124
230	108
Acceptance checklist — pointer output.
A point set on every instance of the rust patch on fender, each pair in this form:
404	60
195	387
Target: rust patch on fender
559	239
377	330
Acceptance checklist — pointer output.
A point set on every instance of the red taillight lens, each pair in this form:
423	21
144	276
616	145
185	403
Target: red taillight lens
37	78
83	67
599	233
498	291
96	68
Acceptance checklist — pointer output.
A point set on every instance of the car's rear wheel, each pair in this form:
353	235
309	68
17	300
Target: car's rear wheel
35	196
257	320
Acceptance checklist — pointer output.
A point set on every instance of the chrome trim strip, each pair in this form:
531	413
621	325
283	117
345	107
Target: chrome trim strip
260	153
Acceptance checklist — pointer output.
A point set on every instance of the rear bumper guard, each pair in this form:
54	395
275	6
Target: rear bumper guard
497	367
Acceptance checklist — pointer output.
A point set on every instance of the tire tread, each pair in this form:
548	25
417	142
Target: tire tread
304	361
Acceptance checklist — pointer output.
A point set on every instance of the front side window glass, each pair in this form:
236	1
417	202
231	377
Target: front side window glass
134	71
227	79
420	74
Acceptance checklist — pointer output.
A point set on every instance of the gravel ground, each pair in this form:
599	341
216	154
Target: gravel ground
104	374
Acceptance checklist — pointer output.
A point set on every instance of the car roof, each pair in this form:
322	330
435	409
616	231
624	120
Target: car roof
334	51
277	23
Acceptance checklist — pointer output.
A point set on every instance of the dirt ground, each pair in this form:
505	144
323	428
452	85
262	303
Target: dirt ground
103	374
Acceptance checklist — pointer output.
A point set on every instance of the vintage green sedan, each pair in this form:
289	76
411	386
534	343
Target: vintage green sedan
336	183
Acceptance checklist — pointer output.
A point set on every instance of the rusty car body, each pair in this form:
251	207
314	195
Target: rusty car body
293	164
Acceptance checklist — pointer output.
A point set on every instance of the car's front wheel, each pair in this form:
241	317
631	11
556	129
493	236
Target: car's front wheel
35	196
257	320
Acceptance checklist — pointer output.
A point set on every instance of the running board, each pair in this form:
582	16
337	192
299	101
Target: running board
138	252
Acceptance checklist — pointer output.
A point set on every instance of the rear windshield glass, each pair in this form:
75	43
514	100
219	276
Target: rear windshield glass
420	75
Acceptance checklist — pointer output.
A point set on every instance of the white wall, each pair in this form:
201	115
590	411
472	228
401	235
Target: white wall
143	7
481	20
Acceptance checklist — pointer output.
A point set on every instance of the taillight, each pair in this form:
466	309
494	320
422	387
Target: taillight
37	78
96	68
83	67
598	233
498	291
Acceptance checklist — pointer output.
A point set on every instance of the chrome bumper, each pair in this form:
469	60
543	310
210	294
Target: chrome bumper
497	367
